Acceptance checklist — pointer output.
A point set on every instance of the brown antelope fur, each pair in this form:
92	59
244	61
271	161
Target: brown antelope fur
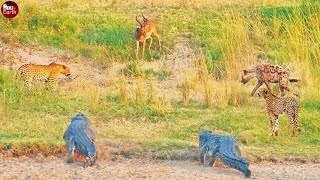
145	31
268	73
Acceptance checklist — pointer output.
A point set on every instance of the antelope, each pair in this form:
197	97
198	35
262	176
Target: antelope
145	31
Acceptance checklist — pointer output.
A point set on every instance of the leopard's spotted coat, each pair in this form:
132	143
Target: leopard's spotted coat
278	105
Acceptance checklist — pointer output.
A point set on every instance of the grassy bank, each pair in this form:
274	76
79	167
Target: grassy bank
36	121
226	37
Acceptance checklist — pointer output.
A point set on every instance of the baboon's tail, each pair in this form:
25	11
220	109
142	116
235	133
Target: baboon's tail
230	157
294	80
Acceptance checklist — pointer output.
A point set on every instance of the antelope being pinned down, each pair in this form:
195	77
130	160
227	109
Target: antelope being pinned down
145	31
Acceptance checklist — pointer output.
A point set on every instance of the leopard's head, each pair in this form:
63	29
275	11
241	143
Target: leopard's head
65	70
62	69
263	92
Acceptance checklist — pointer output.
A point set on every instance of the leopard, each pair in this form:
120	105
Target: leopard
276	106
48	73
269	73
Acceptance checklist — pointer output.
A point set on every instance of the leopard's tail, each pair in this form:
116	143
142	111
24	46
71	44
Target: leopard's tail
17	74
20	71
296	122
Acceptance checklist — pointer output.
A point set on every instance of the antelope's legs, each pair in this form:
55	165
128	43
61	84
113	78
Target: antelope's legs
158	37
150	42
137	49
143	47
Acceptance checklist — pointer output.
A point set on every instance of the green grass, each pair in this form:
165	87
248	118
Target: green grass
40	118
107	33
225	36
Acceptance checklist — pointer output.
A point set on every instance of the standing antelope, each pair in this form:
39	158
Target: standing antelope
145	31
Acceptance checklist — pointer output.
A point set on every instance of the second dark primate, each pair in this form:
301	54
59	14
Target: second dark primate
80	137
224	146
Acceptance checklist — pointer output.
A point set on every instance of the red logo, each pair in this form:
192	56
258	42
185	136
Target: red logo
9	9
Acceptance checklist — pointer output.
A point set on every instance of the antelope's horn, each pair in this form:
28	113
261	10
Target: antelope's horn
144	18
138	20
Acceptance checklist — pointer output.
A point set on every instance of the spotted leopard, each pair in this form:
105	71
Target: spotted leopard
48	73
278	105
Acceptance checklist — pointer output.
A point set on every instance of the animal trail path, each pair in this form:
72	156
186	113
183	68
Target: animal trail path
181	58
179	62
56	168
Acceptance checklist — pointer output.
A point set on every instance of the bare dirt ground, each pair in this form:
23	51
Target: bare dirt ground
56	168
122	168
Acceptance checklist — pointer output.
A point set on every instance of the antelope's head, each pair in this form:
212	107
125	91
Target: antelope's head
142	29
139	30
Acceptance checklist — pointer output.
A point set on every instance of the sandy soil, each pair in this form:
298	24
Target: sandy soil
56	168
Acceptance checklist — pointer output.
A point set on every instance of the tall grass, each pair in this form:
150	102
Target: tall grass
228	35
123	94
185	90
139	91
